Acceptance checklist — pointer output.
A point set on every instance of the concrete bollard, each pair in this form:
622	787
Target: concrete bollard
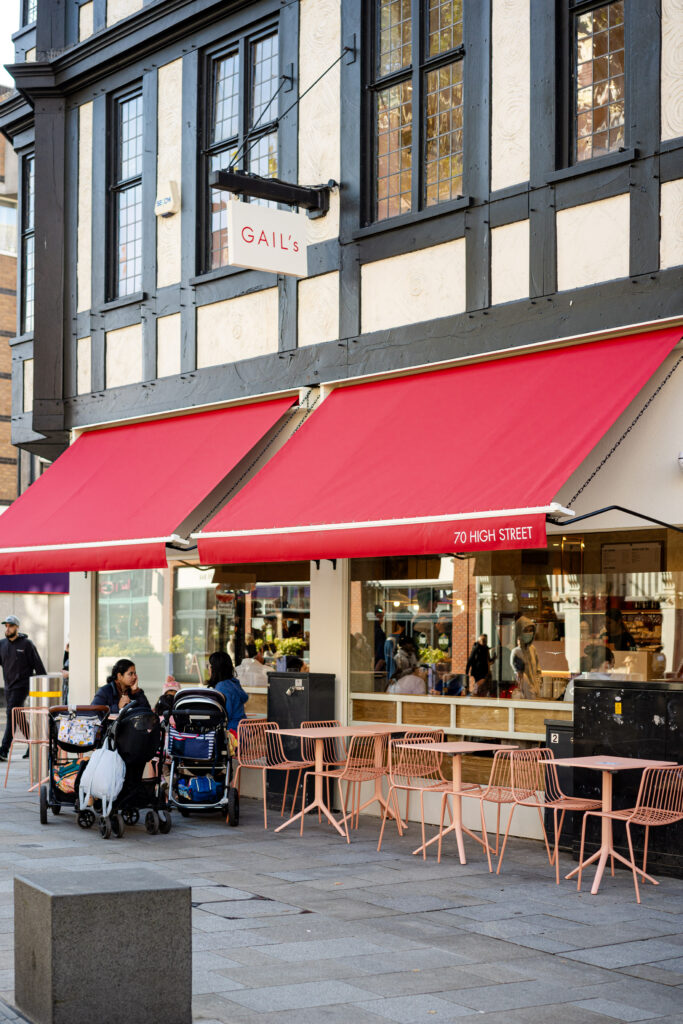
102	946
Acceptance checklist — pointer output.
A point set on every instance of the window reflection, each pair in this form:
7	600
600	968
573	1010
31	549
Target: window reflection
599	81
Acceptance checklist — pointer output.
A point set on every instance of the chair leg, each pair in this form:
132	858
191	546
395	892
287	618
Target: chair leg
444	801
557	846
296	790
422	820
583	841
384	818
284	795
633	860
545	836
507	832
345	818
397	813
485	834
265	810
647	836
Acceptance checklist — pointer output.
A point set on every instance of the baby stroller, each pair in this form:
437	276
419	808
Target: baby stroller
201	767
73	733
137	736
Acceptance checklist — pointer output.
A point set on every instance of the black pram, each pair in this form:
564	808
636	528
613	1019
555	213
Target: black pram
73	734
201	767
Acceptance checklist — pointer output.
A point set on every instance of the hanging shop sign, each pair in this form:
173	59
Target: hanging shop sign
261	238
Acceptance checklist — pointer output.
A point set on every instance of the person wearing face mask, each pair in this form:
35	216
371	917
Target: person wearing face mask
524	661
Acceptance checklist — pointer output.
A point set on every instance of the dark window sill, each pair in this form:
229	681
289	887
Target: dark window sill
407	219
21	339
135	298
215	275
671	145
600	163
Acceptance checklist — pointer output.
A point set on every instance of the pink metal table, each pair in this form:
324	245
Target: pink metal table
456	748
319	734
608	766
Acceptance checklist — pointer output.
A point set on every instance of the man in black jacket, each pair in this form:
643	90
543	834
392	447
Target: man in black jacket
479	667
20	660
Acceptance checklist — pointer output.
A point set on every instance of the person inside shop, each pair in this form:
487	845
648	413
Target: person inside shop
121	688
448	683
406	658
252	670
223	679
524	661
617	635
20	660
478	668
443	634
391	647
408	681
380	638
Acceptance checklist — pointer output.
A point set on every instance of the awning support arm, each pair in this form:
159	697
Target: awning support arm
615	508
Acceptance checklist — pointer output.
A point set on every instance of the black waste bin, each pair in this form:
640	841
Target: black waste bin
559	737
629	719
293	698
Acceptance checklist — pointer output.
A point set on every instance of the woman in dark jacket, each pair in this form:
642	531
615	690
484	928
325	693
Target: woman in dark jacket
121	688
222	678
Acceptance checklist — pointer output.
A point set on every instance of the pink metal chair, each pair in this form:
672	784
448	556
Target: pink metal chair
535	784
659	802
29	735
334	750
366	761
497	791
414	770
259	746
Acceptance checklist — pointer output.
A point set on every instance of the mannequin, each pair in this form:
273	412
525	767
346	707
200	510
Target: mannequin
524	661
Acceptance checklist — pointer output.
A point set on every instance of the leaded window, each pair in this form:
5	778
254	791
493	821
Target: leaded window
241	131
27	244
598	81
416	113
30	11
126	195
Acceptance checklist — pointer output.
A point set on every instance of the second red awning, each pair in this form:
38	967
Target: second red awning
460	459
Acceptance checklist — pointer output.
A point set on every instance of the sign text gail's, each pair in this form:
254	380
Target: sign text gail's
265	239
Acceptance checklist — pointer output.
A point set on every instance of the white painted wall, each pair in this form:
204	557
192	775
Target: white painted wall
119	9
643	473
169	167
85	20
413	287
593	243
510	262
27	367
84	235
330	627
671	81
318	312
123	356
510	92
83	366
671	221
237	328
82	639
168	345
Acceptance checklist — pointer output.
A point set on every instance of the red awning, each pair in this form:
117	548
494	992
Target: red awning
460	459
115	498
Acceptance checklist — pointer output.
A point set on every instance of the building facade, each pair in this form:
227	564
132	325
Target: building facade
507	179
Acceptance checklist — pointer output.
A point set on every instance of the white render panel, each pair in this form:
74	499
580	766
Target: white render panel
83	366
169	167
123	358
319	149
237	328
510	92
84	237
27	385
671	214
643	473
168	345
593	243
31	55
119	9
671	81
413	287
85	20
510	262
318	314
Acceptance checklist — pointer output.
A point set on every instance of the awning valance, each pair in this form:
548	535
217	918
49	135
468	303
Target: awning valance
459	459
115	498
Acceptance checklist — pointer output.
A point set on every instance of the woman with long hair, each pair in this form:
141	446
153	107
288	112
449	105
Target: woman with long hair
121	687
223	679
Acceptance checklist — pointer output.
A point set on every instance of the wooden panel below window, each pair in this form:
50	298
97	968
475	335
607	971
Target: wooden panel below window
374	711
533	719
476	769
481	717
257	704
426	714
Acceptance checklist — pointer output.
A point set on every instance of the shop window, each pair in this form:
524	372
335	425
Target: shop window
242	83
27	244
262	626
130	624
125	194
598	80
415	114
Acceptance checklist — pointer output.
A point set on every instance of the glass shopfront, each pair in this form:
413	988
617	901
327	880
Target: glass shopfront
519	625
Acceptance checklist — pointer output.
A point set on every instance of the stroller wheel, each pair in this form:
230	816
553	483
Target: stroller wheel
43	804
117	825
152	822
105	828
56	808
165	822
233	807
131	817
86	819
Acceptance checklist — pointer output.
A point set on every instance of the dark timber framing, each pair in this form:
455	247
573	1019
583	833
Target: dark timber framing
45	113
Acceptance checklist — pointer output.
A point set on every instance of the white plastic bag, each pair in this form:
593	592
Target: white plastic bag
102	779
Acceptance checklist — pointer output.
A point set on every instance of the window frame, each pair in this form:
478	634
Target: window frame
239	44
416	72
26	6
567	12
27	231
117	186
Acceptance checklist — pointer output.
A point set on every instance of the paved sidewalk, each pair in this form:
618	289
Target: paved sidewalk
311	930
